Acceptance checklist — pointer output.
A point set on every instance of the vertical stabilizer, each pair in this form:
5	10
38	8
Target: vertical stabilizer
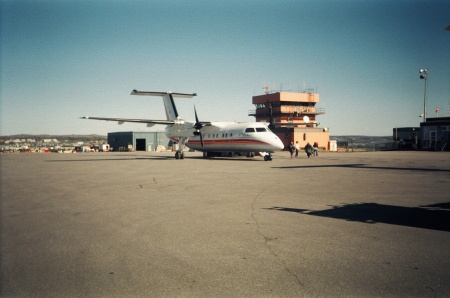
169	103
170	107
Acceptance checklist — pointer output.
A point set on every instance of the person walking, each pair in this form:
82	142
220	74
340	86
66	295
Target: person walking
297	147
316	149
291	149
308	149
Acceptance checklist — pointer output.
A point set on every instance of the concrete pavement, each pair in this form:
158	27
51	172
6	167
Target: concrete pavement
144	224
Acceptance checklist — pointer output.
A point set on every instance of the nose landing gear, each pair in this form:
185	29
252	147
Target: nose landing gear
268	157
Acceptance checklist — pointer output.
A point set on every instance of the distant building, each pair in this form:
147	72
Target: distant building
137	141
49	141
294	116
407	137
435	134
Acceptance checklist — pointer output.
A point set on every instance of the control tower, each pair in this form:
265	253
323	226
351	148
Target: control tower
293	117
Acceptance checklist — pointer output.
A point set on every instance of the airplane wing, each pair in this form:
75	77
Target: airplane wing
122	120
148	121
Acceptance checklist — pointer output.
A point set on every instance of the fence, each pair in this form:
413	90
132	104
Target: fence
365	146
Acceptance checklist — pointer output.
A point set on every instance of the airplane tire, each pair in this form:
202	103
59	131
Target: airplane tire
268	157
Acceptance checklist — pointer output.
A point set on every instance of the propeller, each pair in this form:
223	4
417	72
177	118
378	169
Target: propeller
197	127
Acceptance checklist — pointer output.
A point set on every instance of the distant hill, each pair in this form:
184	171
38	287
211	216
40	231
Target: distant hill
95	137
92	137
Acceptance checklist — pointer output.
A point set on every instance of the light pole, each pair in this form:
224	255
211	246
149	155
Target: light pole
424	76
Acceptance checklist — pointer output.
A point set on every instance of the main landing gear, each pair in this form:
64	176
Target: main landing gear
179	155
182	144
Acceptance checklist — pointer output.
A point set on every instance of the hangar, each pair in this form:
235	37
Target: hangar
137	141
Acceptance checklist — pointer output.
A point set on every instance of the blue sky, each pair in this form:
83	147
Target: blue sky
64	59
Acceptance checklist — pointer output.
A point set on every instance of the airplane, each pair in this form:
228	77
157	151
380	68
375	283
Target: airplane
212	138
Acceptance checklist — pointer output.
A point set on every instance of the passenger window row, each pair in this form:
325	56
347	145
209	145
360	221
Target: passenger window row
216	135
226	135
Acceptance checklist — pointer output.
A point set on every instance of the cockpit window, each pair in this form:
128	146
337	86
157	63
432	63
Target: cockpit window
261	129
250	129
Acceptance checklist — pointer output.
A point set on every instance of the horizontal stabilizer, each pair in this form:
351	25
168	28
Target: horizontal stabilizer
150	93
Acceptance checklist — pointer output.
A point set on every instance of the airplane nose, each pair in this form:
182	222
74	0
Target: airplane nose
278	144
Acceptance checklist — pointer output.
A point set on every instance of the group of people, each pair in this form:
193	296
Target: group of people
310	150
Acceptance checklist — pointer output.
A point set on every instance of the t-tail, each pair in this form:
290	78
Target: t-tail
169	104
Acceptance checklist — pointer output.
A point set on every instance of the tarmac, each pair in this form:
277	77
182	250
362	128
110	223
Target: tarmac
142	224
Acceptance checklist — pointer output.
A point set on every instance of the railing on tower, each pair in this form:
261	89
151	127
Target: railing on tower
288	110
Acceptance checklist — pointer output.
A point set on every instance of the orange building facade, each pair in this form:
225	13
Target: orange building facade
293	117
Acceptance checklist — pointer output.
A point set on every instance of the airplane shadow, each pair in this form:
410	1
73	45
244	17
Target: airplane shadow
114	159
363	166
159	158
433	217
233	158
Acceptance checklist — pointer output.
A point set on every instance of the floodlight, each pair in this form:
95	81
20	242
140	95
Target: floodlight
424	76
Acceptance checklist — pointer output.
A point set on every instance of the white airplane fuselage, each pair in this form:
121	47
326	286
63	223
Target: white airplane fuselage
228	137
